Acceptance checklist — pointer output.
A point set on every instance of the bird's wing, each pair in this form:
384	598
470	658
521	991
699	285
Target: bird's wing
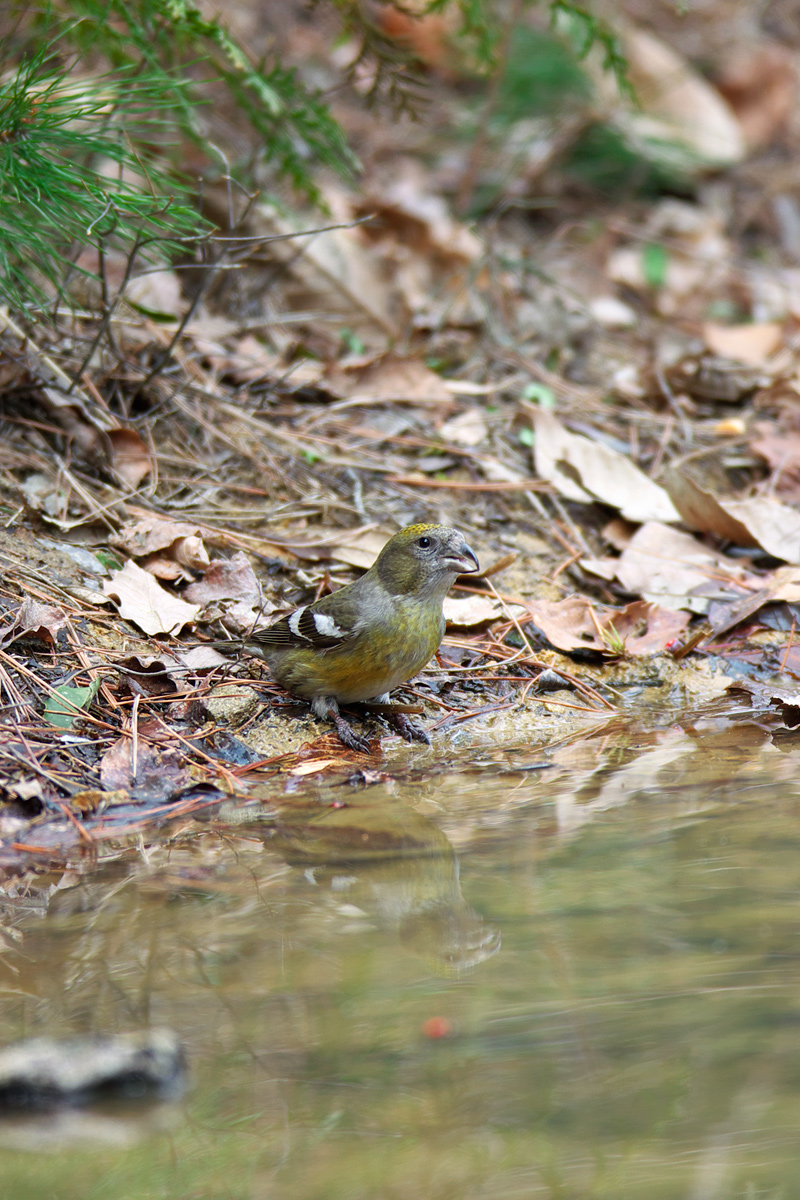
310	626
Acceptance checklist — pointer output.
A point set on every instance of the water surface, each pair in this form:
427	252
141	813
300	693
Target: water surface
496	981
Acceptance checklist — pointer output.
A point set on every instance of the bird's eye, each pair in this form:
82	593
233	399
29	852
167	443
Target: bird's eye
424	542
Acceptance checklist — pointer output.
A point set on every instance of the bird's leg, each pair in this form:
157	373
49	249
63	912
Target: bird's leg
327	708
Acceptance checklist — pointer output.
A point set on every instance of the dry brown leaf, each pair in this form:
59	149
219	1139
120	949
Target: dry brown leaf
158	774
334	270
784	584
790	661
767	694
84	430
164	568
158	292
191	552
585	470
781	449
758	521
235	580
152	535
130	457
314	766
759	81
225	579
675	106
752	344
700	509
772	525
115	765
390	378
424	221
478	610
202	658
154	674
673	569
495	471
604	568
467	429
140	599
618	532
431	36
698	258
36	620
24	789
180	560
360	549
645	628
639	629
100	438
223	348
247	360
428	254
567	624
244	616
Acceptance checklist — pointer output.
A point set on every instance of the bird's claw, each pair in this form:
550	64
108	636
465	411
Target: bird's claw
409	729
348	736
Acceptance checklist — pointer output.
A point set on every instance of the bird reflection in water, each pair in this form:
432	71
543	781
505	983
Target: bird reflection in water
392	865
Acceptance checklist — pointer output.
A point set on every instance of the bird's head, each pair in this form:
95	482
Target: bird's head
425	560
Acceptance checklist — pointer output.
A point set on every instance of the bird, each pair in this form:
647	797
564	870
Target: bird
360	642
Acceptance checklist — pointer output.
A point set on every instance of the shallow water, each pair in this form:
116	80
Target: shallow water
498	981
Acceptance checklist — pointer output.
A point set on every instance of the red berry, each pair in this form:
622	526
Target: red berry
437	1027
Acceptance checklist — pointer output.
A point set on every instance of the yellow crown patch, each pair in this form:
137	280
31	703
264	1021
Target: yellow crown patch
413	530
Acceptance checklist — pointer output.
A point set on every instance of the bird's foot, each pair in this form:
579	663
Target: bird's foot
408	729
328	710
348	736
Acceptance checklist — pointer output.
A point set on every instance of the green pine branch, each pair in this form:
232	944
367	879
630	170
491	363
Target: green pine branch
293	123
75	171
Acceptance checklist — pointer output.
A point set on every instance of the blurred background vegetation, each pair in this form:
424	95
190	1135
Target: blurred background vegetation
104	117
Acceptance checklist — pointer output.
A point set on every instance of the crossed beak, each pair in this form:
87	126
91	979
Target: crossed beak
465	559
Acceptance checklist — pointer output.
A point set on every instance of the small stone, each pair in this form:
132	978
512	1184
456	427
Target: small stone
612	313
42	1072
231	703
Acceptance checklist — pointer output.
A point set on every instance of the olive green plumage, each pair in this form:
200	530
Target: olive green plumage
367	638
